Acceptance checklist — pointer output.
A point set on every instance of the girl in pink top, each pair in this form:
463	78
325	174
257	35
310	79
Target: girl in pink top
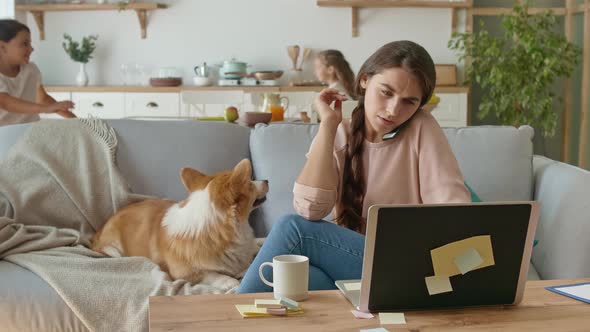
391	151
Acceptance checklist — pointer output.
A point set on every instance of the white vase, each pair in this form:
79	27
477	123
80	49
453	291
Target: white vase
82	78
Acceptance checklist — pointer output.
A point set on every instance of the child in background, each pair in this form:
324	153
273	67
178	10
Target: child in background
22	97
331	67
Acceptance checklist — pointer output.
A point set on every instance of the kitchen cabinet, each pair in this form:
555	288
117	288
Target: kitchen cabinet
146	102
152	105
106	105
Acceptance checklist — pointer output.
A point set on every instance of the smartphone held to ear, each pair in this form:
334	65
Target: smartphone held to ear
391	135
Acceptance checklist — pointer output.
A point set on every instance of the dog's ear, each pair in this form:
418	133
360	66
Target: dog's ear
242	173
192	179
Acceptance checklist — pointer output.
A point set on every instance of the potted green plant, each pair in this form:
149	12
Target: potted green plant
518	69
81	53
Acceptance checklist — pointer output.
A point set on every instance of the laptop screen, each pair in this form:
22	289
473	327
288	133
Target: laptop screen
402	258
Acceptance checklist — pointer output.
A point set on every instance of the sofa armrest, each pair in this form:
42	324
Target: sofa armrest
563	250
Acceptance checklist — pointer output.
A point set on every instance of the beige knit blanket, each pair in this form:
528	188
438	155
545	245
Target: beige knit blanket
58	185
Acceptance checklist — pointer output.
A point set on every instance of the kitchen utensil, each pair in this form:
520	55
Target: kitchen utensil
202	70
306	53
268	75
293	51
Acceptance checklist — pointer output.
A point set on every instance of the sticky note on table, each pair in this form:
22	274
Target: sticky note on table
249	310
468	261
277	312
287	302
379	329
443	257
392	318
271	303
438	285
362	315
352	286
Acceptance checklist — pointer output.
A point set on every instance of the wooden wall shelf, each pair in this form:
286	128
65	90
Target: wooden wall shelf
394	3
38	12
355	5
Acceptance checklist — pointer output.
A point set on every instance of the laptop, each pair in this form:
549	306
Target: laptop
444	256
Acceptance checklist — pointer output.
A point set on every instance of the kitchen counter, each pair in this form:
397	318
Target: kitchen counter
177	89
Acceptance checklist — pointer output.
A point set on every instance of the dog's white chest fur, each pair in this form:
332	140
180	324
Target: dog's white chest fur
193	218
197	216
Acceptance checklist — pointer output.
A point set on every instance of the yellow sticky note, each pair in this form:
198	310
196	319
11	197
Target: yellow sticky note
249	310
443	258
468	261
352	286
392	318
438	284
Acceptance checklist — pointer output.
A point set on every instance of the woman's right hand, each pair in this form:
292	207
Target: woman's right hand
326	112
60	106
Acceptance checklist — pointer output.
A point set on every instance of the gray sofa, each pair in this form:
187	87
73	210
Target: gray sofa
497	162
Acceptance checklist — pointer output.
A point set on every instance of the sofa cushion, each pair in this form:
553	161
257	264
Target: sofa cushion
151	153
564	225
474	197
278	154
495	161
27	303
533	274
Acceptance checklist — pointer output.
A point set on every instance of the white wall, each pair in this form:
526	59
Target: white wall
255	31
6	8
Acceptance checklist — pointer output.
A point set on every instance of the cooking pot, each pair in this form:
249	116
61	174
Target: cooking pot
228	69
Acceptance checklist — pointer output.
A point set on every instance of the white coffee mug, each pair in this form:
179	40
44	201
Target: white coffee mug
290	276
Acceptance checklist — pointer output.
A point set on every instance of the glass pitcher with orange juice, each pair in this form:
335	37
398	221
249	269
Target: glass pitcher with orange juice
275	104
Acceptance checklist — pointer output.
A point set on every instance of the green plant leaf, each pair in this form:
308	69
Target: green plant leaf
80	52
518	69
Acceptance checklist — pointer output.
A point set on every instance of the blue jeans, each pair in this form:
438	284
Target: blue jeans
335	252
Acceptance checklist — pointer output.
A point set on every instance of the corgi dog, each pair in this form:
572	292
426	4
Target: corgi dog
197	239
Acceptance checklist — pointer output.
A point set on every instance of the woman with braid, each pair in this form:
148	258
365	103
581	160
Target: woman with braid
352	165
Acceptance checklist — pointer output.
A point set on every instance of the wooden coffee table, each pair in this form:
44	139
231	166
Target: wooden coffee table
541	310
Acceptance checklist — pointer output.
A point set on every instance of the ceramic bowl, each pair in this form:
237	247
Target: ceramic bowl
201	80
252	118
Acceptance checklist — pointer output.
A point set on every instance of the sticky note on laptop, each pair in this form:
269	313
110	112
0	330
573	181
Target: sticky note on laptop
468	261
352	286
438	285
443	258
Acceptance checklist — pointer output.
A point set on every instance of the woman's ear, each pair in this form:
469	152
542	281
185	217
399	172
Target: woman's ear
364	81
